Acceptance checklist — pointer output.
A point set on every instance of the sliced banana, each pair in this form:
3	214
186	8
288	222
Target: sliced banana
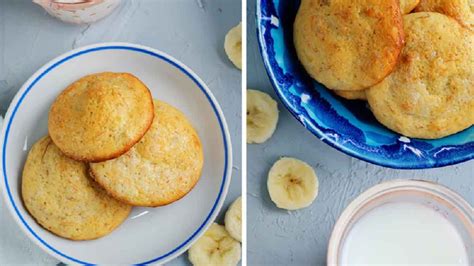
233	219
233	45
215	247
292	184
262	116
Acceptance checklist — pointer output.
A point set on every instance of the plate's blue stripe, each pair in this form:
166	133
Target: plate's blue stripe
119	47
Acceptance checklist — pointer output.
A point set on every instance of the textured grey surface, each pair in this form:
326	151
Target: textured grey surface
278	237
190	30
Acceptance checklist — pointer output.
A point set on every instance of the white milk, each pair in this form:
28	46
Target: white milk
403	233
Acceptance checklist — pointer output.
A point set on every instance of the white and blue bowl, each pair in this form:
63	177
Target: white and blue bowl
348	126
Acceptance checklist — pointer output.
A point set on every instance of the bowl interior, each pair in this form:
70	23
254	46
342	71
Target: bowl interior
148	233
346	125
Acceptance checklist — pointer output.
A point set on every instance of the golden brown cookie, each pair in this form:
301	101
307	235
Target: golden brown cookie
406	6
348	45
460	10
351	95
431	92
160	169
100	116
62	198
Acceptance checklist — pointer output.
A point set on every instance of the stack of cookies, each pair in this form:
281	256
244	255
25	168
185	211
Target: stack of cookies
412	60
110	147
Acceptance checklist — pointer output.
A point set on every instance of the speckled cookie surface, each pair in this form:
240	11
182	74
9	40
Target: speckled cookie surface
431	93
160	169
461	10
406	6
348	45
63	199
352	95
100	116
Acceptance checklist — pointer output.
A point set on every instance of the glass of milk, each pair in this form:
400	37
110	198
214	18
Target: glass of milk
404	222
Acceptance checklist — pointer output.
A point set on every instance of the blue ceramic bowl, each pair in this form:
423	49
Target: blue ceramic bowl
348	126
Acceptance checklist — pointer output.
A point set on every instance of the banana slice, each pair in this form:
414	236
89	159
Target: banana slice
215	247
233	45
292	184
262	116
233	219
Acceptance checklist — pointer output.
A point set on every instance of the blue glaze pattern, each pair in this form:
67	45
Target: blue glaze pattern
348	126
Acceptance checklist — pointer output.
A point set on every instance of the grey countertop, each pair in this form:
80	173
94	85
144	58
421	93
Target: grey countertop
190	30
278	237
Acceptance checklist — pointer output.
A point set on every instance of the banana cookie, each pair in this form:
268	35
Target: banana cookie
460	10
160	169
431	92
348	45
406	6
100	116
351	95
63	199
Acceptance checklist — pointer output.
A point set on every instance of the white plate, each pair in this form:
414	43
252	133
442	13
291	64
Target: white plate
149	235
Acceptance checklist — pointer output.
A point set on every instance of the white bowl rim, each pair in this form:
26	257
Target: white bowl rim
29	84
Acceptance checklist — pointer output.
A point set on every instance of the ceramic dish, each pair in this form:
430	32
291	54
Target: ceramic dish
348	126
79	11
149	235
439	198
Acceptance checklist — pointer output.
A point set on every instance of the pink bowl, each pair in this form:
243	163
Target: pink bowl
79	11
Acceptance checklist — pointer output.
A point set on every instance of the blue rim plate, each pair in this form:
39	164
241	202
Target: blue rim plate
10	192
348	126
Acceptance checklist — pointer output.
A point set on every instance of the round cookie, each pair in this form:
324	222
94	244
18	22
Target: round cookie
100	116
460	10
351	95
430	94
348	45
160	169
406	6
62	198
